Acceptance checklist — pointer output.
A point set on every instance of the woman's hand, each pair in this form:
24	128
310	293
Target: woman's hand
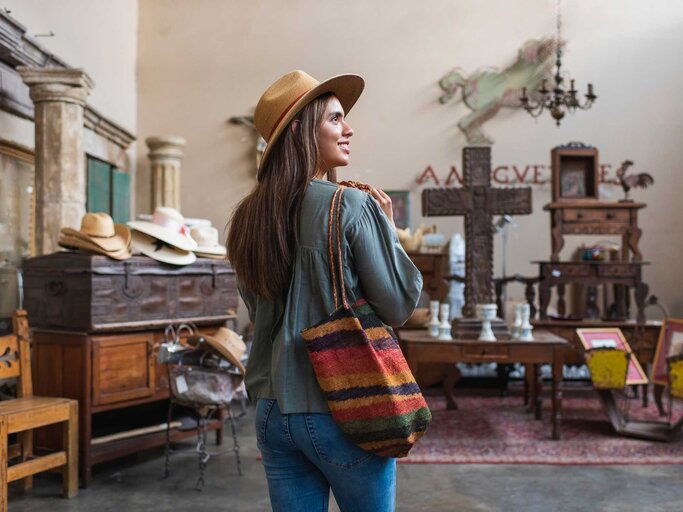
385	203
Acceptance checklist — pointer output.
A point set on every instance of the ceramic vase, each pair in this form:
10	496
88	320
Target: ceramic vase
486	313
525	333
434	318
445	325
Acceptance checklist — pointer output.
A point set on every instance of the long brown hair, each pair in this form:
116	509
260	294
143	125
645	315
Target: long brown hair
263	232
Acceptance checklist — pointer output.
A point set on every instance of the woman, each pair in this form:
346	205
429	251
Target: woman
277	243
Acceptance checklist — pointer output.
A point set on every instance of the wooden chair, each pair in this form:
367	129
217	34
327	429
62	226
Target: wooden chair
28	412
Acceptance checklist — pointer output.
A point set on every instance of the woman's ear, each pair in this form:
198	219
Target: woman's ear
294	126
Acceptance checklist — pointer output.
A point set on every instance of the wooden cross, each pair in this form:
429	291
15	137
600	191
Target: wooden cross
478	202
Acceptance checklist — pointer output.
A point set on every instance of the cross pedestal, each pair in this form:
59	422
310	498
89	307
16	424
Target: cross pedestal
478	202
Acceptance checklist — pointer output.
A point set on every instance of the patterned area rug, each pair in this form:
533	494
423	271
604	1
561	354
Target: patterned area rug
497	430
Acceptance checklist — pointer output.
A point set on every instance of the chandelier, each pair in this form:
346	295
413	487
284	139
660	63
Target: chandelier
557	100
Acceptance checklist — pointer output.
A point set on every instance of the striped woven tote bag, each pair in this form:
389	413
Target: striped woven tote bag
369	387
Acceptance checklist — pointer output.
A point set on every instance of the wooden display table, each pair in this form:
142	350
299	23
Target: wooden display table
595	217
108	374
419	348
558	274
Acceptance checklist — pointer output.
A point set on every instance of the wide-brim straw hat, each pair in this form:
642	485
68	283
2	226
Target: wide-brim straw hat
207	241
228	344
160	251
285	98
99	229
72	242
167	225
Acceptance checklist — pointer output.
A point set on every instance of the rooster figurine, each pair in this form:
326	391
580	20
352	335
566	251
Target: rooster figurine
641	180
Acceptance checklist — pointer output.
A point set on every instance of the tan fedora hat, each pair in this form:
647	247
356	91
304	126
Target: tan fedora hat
160	250
73	242
167	225
283	100
99	229
228	344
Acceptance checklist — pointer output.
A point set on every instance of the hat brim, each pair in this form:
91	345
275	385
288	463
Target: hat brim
151	247
224	349
120	241
347	88
72	242
214	250
178	240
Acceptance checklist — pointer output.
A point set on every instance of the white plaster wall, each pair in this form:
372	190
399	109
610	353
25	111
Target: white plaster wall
201	62
99	36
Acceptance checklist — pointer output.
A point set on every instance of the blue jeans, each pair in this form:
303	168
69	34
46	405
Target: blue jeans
305	455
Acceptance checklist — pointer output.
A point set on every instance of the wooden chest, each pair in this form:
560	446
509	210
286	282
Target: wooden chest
88	293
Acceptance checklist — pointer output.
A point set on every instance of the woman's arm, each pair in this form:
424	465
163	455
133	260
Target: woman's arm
389	280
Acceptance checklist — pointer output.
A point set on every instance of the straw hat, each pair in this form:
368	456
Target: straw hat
283	100
160	250
98	229
228	344
99	235
167	225
72	242
207	242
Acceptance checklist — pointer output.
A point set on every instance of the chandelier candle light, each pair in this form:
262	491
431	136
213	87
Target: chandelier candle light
557	101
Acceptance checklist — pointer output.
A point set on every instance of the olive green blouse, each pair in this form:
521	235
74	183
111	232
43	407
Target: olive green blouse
376	268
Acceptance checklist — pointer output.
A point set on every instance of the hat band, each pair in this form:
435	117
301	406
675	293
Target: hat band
285	112
167	222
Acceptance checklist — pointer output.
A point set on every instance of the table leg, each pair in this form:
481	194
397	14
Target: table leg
659	393
558	363
641	292
538	401
544	298
452	378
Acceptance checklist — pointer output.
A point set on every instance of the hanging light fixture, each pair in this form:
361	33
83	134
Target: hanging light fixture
557	101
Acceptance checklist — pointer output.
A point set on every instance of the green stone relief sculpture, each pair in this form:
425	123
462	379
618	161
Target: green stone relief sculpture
488	90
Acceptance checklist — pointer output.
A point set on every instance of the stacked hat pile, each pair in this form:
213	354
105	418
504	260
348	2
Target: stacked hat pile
98	235
164	238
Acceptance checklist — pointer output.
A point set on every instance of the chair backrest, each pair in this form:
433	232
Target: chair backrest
675	364
15	354
608	367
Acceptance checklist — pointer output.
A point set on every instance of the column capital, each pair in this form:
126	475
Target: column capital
163	147
66	85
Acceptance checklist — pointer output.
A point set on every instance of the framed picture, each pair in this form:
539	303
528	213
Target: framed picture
400	200
670	343
574	172
612	337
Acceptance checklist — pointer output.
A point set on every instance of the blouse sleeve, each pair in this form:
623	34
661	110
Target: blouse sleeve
389	280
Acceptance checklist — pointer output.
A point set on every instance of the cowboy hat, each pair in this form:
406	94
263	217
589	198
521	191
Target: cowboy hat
160	250
228	344
167	225
285	98
207	242
72	242
99	229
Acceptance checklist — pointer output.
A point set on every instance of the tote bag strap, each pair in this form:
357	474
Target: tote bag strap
336	267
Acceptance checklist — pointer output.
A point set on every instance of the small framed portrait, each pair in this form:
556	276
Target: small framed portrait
572	182
612	337
400	200
574	172
670	343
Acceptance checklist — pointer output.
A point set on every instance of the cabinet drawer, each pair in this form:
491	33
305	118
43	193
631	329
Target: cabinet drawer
486	353
596	215
123	368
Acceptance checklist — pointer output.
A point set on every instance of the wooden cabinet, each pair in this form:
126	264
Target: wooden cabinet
584	217
123	368
113	377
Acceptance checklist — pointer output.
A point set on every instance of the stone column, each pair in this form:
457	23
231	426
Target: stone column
165	155
59	96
